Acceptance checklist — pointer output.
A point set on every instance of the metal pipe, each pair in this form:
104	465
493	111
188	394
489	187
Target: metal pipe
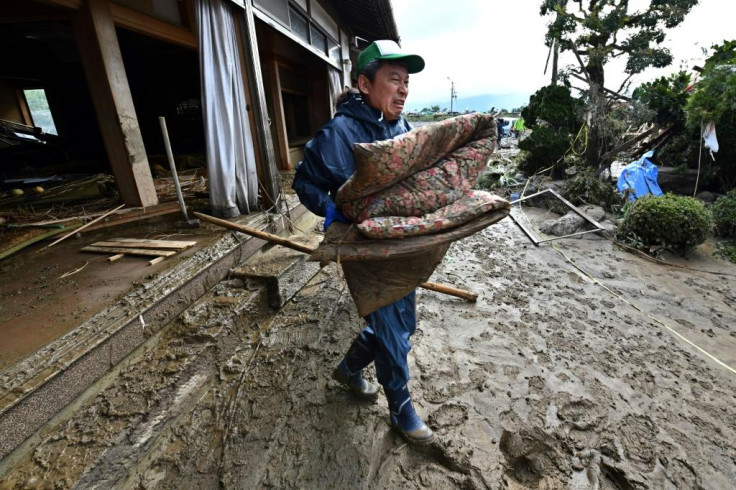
172	166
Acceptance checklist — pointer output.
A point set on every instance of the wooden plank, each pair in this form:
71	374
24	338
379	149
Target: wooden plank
115	257
104	69
152	244
128	251
278	110
139	214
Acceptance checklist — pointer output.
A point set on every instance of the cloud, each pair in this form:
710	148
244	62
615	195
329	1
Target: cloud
497	47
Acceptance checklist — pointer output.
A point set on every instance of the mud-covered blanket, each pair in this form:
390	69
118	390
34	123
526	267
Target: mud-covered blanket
421	181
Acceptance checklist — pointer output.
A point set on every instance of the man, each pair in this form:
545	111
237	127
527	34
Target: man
370	114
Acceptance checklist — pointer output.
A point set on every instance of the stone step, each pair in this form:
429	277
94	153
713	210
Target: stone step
283	271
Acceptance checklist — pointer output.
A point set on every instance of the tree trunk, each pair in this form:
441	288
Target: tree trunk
596	114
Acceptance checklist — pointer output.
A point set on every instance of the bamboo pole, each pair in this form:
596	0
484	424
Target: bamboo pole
77	230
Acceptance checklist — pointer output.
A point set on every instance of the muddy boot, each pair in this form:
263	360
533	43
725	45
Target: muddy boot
355	382
350	371
405	420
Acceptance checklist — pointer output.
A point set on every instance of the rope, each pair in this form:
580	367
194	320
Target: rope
624	300
654	319
583	132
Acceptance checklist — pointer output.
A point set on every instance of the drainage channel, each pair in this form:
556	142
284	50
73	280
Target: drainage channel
37	388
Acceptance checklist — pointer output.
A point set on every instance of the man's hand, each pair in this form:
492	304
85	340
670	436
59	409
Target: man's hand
333	214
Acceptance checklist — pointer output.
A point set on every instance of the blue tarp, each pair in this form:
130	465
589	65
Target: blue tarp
640	177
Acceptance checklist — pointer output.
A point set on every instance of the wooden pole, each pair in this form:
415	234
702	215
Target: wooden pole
269	237
440	288
77	230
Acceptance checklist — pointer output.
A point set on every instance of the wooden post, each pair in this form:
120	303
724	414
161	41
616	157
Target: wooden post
108	85
270	179
278	113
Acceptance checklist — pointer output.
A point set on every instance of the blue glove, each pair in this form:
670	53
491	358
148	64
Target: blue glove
333	214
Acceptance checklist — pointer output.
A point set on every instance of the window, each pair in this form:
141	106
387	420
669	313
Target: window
279	9
323	19
333	50
299	24
319	40
38	106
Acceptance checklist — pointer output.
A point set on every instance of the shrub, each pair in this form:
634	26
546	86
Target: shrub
724	214
545	148
677	223
586	188
715	100
553	115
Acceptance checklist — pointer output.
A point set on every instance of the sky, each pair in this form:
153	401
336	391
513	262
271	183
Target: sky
494	50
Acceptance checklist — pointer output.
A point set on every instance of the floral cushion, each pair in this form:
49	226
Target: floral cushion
382	164
428	190
468	207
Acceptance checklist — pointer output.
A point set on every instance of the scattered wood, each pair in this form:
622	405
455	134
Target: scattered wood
653	131
84	226
156	260
160	249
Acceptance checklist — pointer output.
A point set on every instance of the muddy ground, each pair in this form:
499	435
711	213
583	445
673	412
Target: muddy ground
548	381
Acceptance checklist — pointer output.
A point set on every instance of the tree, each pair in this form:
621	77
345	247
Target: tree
601	30
435	108
666	96
715	100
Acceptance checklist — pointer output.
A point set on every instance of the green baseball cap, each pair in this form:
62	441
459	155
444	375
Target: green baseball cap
388	50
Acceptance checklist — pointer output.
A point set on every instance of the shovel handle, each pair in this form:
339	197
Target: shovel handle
449	290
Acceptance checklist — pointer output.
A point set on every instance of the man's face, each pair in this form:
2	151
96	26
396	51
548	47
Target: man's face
388	91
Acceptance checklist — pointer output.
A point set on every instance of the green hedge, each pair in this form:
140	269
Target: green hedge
677	223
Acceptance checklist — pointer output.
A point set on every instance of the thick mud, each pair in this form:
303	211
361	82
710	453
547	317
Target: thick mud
548	381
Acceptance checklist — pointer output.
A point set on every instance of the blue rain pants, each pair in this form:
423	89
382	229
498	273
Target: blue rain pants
385	341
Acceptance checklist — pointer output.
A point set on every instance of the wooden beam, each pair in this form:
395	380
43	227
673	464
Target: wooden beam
23	106
150	26
104	69
270	178
278	112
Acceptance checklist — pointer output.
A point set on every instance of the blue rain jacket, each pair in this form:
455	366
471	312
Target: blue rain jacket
641	177
328	163
328	157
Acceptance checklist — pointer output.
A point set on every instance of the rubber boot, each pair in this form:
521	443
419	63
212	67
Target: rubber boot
350	371
405	420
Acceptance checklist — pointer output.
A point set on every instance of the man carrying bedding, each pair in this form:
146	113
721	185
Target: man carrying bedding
371	113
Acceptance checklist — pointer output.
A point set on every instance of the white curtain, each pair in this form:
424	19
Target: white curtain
231	160
335	87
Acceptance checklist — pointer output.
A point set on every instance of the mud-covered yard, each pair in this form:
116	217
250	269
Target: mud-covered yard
555	378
